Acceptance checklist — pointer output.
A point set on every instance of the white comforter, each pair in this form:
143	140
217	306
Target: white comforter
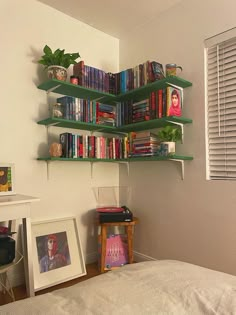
156	287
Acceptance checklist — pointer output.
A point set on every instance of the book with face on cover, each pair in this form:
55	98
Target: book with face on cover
174	100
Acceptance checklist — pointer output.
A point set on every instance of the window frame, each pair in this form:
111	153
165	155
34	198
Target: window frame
210	43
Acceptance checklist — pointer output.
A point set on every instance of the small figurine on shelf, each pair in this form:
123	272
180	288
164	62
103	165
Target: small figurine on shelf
57	110
55	149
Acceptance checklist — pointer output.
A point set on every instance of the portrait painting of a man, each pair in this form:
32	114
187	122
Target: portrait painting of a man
53	251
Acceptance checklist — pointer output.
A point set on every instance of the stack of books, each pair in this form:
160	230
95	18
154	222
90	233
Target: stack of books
144	143
140	111
106	115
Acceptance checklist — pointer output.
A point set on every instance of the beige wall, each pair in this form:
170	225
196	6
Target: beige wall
191	220
26	27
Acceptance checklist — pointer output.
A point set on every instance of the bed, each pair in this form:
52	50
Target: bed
154	287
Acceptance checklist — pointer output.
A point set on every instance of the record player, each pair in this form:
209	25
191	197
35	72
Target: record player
114	214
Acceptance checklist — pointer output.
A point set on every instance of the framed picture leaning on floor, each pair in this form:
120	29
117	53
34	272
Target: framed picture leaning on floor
57	252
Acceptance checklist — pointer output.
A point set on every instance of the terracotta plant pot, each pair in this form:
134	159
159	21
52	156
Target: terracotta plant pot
57	72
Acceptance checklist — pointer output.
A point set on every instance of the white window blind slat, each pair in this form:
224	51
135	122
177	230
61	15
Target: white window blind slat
216	141
221	109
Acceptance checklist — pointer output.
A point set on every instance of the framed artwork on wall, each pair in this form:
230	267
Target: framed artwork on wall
57	253
7	179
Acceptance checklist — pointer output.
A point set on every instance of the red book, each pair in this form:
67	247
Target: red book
160	97
152	105
92	146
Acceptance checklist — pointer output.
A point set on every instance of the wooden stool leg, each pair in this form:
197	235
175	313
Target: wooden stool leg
129	232
103	246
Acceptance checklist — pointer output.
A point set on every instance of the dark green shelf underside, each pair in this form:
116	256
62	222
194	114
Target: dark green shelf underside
67	88
64	123
154	123
150	124
134	159
144	91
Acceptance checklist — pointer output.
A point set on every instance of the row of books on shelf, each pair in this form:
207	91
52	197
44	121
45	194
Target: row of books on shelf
100	147
77	109
121	82
161	103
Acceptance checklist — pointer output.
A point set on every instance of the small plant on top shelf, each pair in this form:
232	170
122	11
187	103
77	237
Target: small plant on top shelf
57	62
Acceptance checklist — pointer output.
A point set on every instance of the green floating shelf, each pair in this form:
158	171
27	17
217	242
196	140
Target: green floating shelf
143	92
145	125
67	88
61	159
160	158
134	159
154	123
59	122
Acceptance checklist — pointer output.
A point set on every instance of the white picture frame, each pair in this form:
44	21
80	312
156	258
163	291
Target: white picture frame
7	179
54	264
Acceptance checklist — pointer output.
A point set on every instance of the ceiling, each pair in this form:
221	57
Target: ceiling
113	17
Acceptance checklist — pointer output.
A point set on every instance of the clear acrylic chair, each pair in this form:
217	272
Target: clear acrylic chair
4	279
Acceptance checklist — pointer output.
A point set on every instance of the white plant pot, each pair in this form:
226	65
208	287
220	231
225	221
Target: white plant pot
171	147
57	72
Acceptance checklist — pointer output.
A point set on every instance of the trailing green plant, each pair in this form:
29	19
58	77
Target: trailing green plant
170	134
57	58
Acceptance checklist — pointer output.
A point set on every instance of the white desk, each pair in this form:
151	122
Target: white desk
18	207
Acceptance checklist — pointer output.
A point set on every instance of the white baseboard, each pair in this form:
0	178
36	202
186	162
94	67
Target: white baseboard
138	257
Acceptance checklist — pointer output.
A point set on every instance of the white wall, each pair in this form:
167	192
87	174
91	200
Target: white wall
26	27
191	220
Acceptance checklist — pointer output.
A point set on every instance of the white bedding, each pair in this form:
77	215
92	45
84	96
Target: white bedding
163	287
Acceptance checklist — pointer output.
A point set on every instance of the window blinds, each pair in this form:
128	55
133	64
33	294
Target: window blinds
221	110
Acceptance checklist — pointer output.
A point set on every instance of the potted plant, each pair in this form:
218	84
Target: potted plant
57	62
170	135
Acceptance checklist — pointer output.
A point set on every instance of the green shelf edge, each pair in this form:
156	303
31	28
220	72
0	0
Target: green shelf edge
64	123
154	123
67	88
144	91
134	159
161	158
150	124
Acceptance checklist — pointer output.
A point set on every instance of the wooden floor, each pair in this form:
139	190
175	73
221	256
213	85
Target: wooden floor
20	292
